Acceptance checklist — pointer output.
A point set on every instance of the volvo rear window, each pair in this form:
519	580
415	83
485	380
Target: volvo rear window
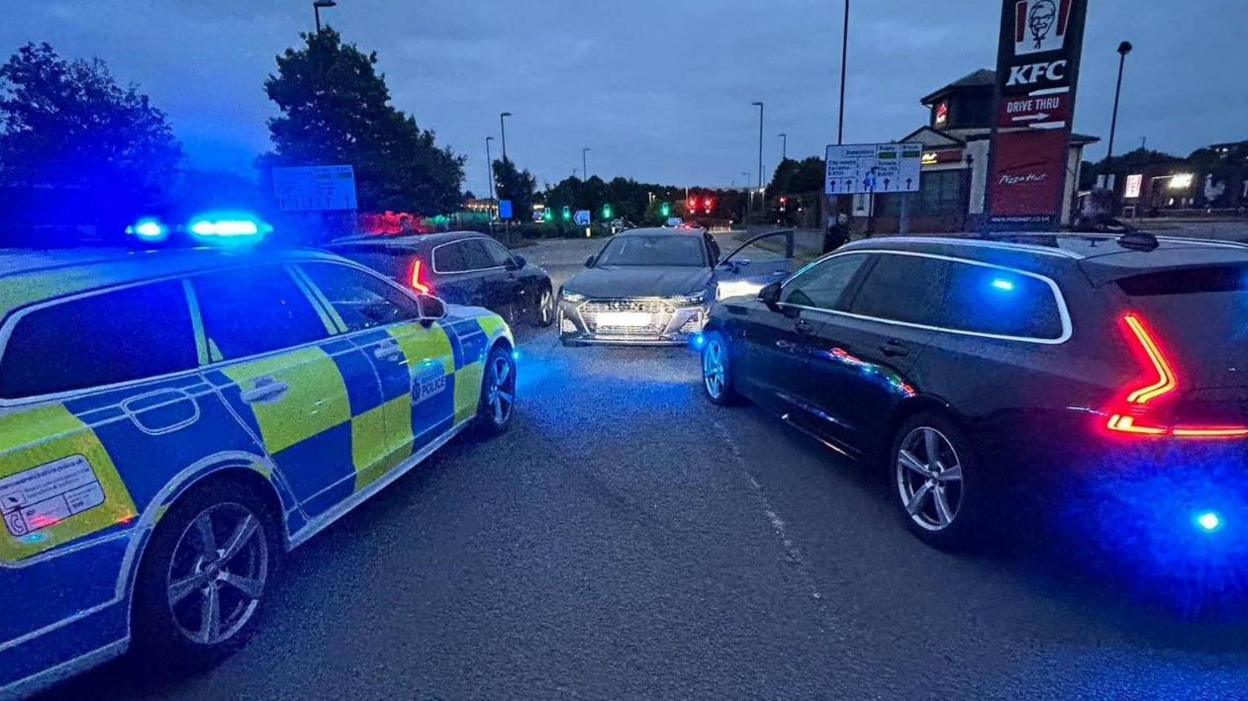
102	339
1187	281
1001	302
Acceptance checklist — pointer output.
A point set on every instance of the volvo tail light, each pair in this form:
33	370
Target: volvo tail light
419	281
1137	412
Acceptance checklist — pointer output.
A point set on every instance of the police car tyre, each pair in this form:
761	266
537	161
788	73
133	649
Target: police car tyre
203	579
716	373
936	483
498	392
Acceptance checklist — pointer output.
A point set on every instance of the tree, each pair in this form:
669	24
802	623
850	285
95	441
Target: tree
335	109
515	185
68	128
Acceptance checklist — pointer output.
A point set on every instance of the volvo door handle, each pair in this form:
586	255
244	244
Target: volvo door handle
804	327
266	391
388	351
894	349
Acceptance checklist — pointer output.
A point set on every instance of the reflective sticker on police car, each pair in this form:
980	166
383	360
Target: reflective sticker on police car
44	496
428	383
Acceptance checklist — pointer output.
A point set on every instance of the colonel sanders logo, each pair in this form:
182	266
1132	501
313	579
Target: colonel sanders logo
1040	25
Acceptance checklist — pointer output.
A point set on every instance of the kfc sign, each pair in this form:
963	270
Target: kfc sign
1040	25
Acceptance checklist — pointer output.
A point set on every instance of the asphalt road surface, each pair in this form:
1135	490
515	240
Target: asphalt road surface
627	539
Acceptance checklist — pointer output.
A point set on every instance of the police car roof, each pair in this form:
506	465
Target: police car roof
31	275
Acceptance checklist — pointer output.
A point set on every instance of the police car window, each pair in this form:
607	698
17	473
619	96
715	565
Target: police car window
903	288
248	311
103	339
498	254
824	285
1000	302
361	300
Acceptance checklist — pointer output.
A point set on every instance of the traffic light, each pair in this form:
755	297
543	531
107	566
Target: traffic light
784	203
606	212
567	213
548	216
691	205
665	209
708	204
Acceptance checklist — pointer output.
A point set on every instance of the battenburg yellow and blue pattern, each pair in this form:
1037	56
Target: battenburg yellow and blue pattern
87	475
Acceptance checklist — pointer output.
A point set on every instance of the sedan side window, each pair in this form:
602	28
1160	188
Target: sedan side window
905	288
362	301
449	258
498	254
824	285
249	311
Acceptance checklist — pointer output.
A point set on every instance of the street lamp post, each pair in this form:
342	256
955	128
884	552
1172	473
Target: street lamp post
840	122
749	200
502	126
584	167
759	105
784	147
1123	49
317	6
489	161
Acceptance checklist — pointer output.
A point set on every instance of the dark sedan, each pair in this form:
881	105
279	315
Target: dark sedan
654	286
969	368
460	267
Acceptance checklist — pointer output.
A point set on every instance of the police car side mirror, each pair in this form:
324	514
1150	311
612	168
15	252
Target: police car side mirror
431	309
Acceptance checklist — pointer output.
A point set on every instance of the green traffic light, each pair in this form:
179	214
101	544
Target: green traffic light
666	209
606	211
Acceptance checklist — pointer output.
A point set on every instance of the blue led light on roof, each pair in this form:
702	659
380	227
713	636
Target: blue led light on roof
1002	284
148	229
234	227
1208	521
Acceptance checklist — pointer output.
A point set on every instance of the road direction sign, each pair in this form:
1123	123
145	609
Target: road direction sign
582	217
505	211
863	168
314	188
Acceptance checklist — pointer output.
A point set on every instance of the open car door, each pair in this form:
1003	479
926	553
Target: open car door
760	261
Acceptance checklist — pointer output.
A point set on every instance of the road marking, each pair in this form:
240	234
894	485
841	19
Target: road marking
791	551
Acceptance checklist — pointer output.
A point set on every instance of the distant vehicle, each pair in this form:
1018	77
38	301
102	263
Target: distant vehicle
175	421
460	267
654	286
674	223
618	225
971	366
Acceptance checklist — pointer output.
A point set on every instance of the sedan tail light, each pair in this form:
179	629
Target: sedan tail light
1136	412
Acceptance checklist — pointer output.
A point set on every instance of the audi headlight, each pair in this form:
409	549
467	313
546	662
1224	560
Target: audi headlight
569	296
689	300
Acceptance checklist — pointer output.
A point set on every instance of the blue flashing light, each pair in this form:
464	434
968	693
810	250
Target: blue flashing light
234	227
697	341
1003	285
148	229
515	355
1208	521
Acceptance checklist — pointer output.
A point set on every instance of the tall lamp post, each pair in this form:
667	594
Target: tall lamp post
584	167
840	122
749	199
1123	49
784	147
759	105
489	161
320	5
502	127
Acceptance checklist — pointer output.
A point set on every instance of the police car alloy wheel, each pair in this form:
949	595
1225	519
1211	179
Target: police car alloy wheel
204	576
498	391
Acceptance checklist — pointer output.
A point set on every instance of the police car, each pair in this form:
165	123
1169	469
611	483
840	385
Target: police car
171	422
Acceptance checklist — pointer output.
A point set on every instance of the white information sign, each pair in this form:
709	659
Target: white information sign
864	168
314	188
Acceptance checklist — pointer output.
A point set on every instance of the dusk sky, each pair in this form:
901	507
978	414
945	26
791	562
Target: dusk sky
660	90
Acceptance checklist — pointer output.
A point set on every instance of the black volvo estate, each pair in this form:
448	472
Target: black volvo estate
460	267
964	366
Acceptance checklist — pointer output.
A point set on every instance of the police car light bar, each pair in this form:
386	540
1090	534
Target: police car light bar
148	229
240	227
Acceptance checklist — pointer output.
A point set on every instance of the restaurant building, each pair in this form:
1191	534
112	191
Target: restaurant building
955	165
